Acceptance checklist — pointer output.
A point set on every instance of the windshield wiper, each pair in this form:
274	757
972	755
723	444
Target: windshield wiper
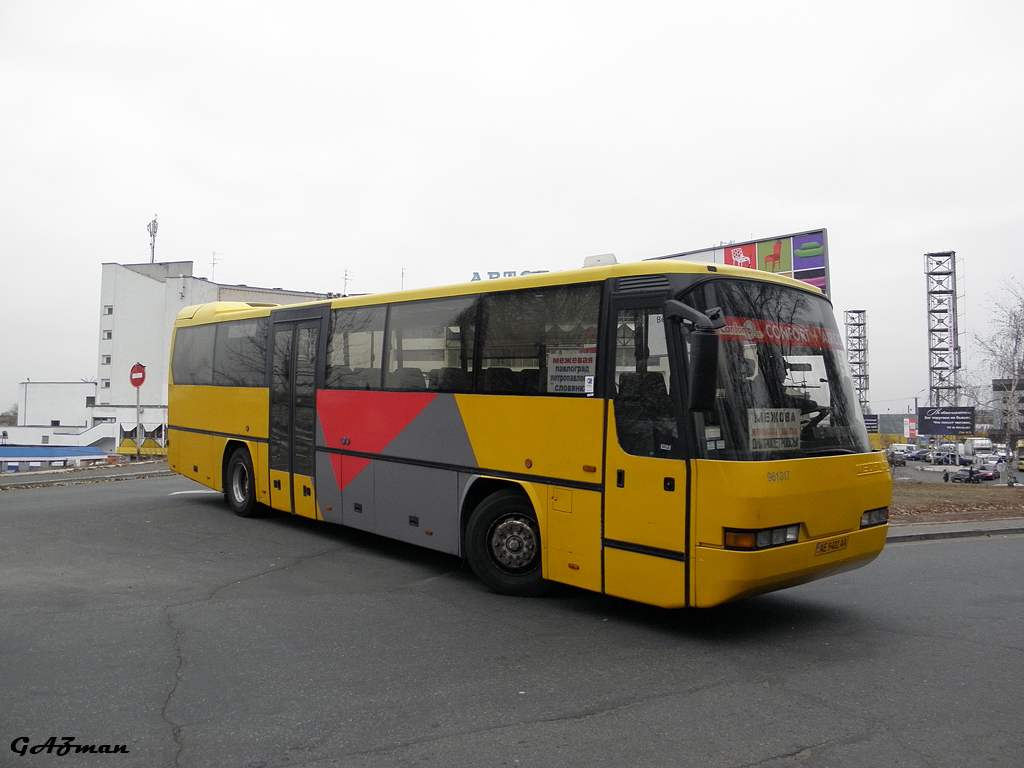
830	452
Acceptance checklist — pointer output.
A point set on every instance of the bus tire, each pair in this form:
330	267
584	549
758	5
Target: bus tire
503	545
240	484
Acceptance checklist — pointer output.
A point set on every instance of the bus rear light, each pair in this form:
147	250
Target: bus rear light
763	539
874	517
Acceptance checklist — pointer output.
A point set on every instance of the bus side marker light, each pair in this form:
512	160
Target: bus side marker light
589	468
573	567
874	517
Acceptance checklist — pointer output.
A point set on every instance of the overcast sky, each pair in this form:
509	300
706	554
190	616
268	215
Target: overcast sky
299	140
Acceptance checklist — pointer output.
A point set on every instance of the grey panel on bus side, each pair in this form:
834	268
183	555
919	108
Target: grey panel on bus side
328	494
354	506
437	434
418	505
358	498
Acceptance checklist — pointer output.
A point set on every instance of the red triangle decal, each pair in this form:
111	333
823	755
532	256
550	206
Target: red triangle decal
361	420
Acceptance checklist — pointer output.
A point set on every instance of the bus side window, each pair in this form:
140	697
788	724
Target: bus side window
354	347
193	355
539	341
406	379
428	341
644	416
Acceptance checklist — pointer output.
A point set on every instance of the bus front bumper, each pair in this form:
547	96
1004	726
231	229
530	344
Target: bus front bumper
722	575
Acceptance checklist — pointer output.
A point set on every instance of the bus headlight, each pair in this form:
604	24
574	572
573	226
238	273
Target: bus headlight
763	539
874	517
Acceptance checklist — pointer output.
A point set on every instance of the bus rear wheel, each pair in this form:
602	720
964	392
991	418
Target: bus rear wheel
240	484
503	545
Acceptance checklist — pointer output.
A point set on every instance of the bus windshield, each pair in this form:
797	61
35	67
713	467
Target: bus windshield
784	390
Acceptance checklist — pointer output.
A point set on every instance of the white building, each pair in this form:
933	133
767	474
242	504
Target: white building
53	412
138	305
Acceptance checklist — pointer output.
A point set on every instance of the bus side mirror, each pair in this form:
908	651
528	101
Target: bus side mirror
703	361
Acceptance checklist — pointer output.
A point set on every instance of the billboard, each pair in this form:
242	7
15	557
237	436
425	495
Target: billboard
945	420
802	255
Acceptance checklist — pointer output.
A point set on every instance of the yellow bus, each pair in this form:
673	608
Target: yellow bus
680	434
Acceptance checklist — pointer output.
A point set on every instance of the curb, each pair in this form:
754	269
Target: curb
85	480
953	531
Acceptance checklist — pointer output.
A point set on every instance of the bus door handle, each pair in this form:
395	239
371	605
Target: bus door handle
620	478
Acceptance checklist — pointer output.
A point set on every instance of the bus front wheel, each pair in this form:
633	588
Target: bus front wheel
503	545
240	484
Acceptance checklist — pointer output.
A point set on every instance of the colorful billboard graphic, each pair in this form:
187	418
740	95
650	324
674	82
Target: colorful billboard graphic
775	255
809	251
802	255
741	256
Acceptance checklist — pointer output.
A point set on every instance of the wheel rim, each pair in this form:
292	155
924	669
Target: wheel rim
240	483
514	544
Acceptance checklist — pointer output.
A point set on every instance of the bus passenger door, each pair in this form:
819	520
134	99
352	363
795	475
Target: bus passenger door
293	379
645	479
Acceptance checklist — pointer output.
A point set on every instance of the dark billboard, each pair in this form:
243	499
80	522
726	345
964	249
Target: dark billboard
945	420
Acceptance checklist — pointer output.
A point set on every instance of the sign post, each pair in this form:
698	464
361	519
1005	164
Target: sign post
137	378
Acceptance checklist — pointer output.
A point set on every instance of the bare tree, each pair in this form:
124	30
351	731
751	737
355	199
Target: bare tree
9	418
1003	348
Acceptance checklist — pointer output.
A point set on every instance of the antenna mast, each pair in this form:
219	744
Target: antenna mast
152	239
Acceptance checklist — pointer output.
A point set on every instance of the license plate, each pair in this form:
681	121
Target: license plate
828	547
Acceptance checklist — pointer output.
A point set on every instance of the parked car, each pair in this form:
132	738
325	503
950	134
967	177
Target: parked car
897	459
921	455
989	471
966	476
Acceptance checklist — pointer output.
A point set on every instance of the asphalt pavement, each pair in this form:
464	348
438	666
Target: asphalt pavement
910	530
143	615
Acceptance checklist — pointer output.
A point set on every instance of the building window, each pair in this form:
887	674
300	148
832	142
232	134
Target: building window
108	309
90	401
105	384
107	335
105	360
46	439
54	422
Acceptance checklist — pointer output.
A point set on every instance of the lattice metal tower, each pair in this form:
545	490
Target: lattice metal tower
943	335
857	354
